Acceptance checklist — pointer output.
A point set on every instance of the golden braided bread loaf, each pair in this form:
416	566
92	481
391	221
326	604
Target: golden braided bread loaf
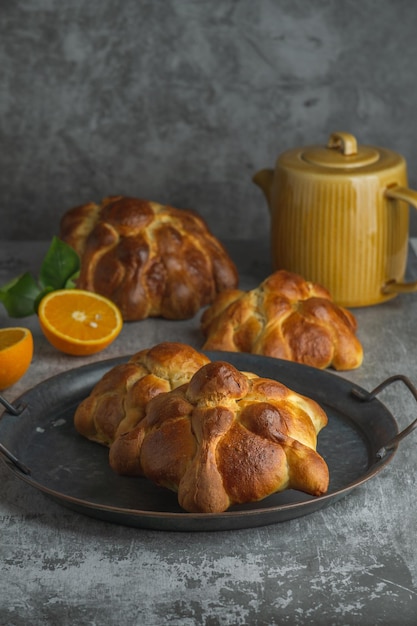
284	317
225	438
118	401
151	260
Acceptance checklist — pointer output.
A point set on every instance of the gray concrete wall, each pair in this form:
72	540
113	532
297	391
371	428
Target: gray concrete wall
182	101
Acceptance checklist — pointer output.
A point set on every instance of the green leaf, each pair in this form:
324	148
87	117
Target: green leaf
61	262
59	270
72	281
41	294
19	295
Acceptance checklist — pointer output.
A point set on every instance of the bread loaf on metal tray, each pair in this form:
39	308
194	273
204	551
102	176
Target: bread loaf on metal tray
118	401
151	260
285	317
225	438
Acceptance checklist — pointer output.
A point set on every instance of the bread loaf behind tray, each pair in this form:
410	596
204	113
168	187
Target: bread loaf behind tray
151	260
285	317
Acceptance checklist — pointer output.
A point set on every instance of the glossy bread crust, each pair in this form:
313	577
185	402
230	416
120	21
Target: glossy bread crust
226	438
118	401
151	260
285	317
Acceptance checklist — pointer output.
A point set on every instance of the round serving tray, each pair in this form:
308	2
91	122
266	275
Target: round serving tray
41	446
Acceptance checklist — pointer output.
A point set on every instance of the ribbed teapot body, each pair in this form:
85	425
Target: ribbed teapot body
337	226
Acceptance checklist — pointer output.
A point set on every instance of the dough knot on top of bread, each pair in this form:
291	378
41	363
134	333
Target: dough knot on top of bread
225	438
151	260
117	403
285	317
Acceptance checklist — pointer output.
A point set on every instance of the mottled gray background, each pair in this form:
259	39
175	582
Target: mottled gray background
182	102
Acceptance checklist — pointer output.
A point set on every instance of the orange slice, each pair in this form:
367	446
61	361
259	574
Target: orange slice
16	351
79	322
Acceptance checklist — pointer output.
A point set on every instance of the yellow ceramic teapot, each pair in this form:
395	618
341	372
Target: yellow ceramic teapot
340	217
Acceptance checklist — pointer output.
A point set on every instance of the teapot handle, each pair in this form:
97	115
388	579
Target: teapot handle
407	195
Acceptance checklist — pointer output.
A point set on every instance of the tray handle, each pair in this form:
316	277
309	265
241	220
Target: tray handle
11	457
13	410
366	396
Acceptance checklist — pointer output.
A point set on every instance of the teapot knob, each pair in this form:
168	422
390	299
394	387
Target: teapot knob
343	141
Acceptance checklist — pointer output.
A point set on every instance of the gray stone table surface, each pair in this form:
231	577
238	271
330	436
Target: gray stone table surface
353	562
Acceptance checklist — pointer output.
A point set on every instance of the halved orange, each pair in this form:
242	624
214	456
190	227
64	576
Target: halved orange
16	351
79	322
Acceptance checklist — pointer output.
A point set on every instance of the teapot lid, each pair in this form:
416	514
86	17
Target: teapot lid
342	156
341	151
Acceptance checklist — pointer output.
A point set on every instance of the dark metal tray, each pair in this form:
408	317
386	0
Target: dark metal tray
41	446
